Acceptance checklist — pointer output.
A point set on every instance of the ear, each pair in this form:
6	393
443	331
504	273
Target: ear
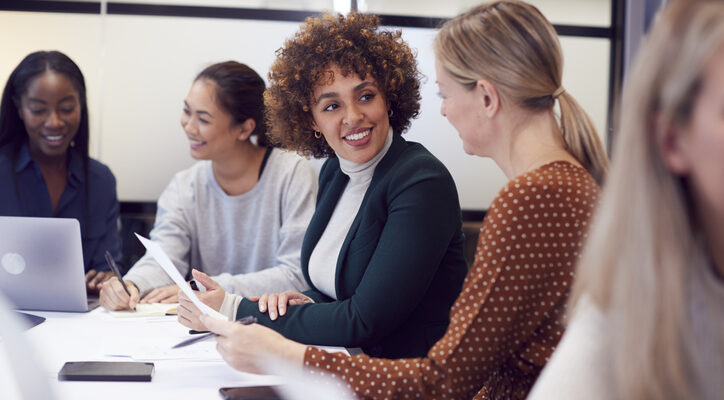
670	141
313	124
489	97
245	129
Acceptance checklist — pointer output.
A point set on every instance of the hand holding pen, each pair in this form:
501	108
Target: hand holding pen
248	320
115	294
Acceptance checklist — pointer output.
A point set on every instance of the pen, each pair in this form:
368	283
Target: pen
248	320
112	265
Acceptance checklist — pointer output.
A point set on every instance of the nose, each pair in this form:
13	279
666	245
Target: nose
187	125
53	120
353	115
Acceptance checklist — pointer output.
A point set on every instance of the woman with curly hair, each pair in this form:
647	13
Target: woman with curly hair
499	69
383	253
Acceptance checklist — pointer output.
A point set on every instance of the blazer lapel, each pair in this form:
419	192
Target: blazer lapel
323	212
398	146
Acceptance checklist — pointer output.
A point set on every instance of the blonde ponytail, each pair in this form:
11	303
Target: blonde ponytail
511	44
581	138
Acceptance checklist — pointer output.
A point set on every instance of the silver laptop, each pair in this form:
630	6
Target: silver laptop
41	264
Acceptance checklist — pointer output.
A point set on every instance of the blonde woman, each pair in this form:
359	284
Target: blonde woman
649	315
499	72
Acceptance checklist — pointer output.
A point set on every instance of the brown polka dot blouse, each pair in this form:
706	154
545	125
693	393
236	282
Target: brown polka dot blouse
506	322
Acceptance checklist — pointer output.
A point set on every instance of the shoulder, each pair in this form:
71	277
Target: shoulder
329	169
185	183
99	173
288	163
414	155
197	172
5	158
412	163
548	191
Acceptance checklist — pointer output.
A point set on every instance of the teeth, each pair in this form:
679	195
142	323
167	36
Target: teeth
358	136
196	142
53	138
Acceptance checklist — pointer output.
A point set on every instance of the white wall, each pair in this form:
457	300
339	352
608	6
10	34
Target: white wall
138	70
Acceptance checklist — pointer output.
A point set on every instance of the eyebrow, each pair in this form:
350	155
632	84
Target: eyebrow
335	94
41	101
199	111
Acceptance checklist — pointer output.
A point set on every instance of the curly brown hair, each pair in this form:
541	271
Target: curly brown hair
353	44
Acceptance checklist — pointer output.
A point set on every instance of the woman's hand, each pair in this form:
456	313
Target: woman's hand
94	279
242	346
277	303
188	313
114	297
166	294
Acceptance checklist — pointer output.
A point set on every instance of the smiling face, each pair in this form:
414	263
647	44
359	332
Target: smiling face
351	113
208	127
51	111
463	109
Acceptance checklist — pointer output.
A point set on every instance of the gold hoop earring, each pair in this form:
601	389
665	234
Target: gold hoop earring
318	134
390	113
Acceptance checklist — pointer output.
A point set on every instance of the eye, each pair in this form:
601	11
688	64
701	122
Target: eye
203	121
330	107
187	111
37	111
367	97
67	110
440	95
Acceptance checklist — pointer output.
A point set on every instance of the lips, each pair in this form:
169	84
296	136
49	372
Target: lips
53	140
358	137
195	144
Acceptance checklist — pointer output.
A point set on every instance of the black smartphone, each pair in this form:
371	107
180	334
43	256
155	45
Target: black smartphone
250	393
106	371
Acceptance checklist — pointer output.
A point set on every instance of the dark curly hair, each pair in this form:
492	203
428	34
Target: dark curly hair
354	44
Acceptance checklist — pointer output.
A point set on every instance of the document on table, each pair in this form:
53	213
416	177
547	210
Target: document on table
157	348
160	256
146	310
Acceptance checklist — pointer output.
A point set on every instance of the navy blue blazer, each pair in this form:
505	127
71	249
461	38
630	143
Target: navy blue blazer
400	267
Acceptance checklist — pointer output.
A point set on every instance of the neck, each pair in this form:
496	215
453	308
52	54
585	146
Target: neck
50	163
530	140
237	171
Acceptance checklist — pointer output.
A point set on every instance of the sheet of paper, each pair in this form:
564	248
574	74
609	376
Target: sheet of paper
160	256
145	310
154	348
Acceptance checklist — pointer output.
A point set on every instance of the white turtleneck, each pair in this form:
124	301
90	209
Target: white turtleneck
323	260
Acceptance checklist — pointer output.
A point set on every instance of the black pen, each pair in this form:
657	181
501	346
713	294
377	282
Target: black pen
112	265
248	320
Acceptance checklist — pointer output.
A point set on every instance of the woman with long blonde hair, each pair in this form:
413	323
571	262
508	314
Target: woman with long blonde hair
499	70
648	321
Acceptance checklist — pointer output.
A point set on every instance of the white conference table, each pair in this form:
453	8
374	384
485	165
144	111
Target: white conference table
89	336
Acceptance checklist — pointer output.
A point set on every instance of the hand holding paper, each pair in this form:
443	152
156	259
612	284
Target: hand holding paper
160	256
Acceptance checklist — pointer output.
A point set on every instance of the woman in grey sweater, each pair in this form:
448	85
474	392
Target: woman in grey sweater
240	213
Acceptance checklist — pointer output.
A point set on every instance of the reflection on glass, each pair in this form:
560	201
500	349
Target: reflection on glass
563	12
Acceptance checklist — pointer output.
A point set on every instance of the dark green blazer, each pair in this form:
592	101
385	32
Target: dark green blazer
400	267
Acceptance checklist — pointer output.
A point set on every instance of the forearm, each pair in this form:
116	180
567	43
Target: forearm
147	275
271	280
375	378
